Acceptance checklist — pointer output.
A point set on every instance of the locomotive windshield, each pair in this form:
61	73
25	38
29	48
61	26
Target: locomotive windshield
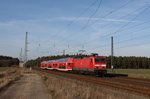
100	60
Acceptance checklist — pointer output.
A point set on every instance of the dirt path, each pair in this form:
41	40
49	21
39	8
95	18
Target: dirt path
30	86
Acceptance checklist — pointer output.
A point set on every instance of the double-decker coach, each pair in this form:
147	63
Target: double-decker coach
50	64
55	65
44	65
65	64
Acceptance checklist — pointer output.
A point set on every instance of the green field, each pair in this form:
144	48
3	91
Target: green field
135	73
3	69
130	71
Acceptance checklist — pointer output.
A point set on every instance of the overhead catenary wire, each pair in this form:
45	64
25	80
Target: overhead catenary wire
126	29
139	37
127	40
114	11
122	27
100	2
130	13
99	5
130	45
130	39
104	45
122	17
83	12
76	18
109	13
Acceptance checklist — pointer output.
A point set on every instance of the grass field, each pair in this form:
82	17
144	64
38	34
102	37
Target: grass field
3	69
136	73
130	71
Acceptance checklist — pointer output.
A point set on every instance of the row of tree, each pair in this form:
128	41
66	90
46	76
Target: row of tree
118	62
131	62
5	57
8	61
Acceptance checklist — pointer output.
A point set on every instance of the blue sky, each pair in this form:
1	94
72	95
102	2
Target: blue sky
73	25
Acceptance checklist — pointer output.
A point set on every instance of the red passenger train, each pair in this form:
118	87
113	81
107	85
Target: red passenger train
91	64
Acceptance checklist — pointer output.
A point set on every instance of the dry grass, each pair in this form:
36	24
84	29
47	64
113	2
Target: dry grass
2	69
10	75
64	88
145	76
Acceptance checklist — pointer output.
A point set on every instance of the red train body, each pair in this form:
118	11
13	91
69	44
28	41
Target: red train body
44	65
55	65
85	65
91	64
50	64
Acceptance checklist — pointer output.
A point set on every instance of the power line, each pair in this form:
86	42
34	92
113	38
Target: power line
128	39
133	39
122	17
125	15
131	45
123	27
126	29
141	37
120	29
92	15
132	27
87	21
104	45
109	13
83	12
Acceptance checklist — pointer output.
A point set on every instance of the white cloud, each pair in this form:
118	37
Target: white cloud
61	19
85	19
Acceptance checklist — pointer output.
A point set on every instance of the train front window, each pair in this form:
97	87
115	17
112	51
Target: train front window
100	60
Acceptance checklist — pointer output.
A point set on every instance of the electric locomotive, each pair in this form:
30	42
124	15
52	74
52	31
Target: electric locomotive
92	64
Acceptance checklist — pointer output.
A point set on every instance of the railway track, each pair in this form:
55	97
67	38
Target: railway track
138	86
132	81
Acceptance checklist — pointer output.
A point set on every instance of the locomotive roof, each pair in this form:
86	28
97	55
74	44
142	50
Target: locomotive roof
89	57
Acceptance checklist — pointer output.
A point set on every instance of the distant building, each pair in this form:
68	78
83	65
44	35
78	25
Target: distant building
21	64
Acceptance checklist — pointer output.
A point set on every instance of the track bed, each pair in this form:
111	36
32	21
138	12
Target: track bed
139	86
